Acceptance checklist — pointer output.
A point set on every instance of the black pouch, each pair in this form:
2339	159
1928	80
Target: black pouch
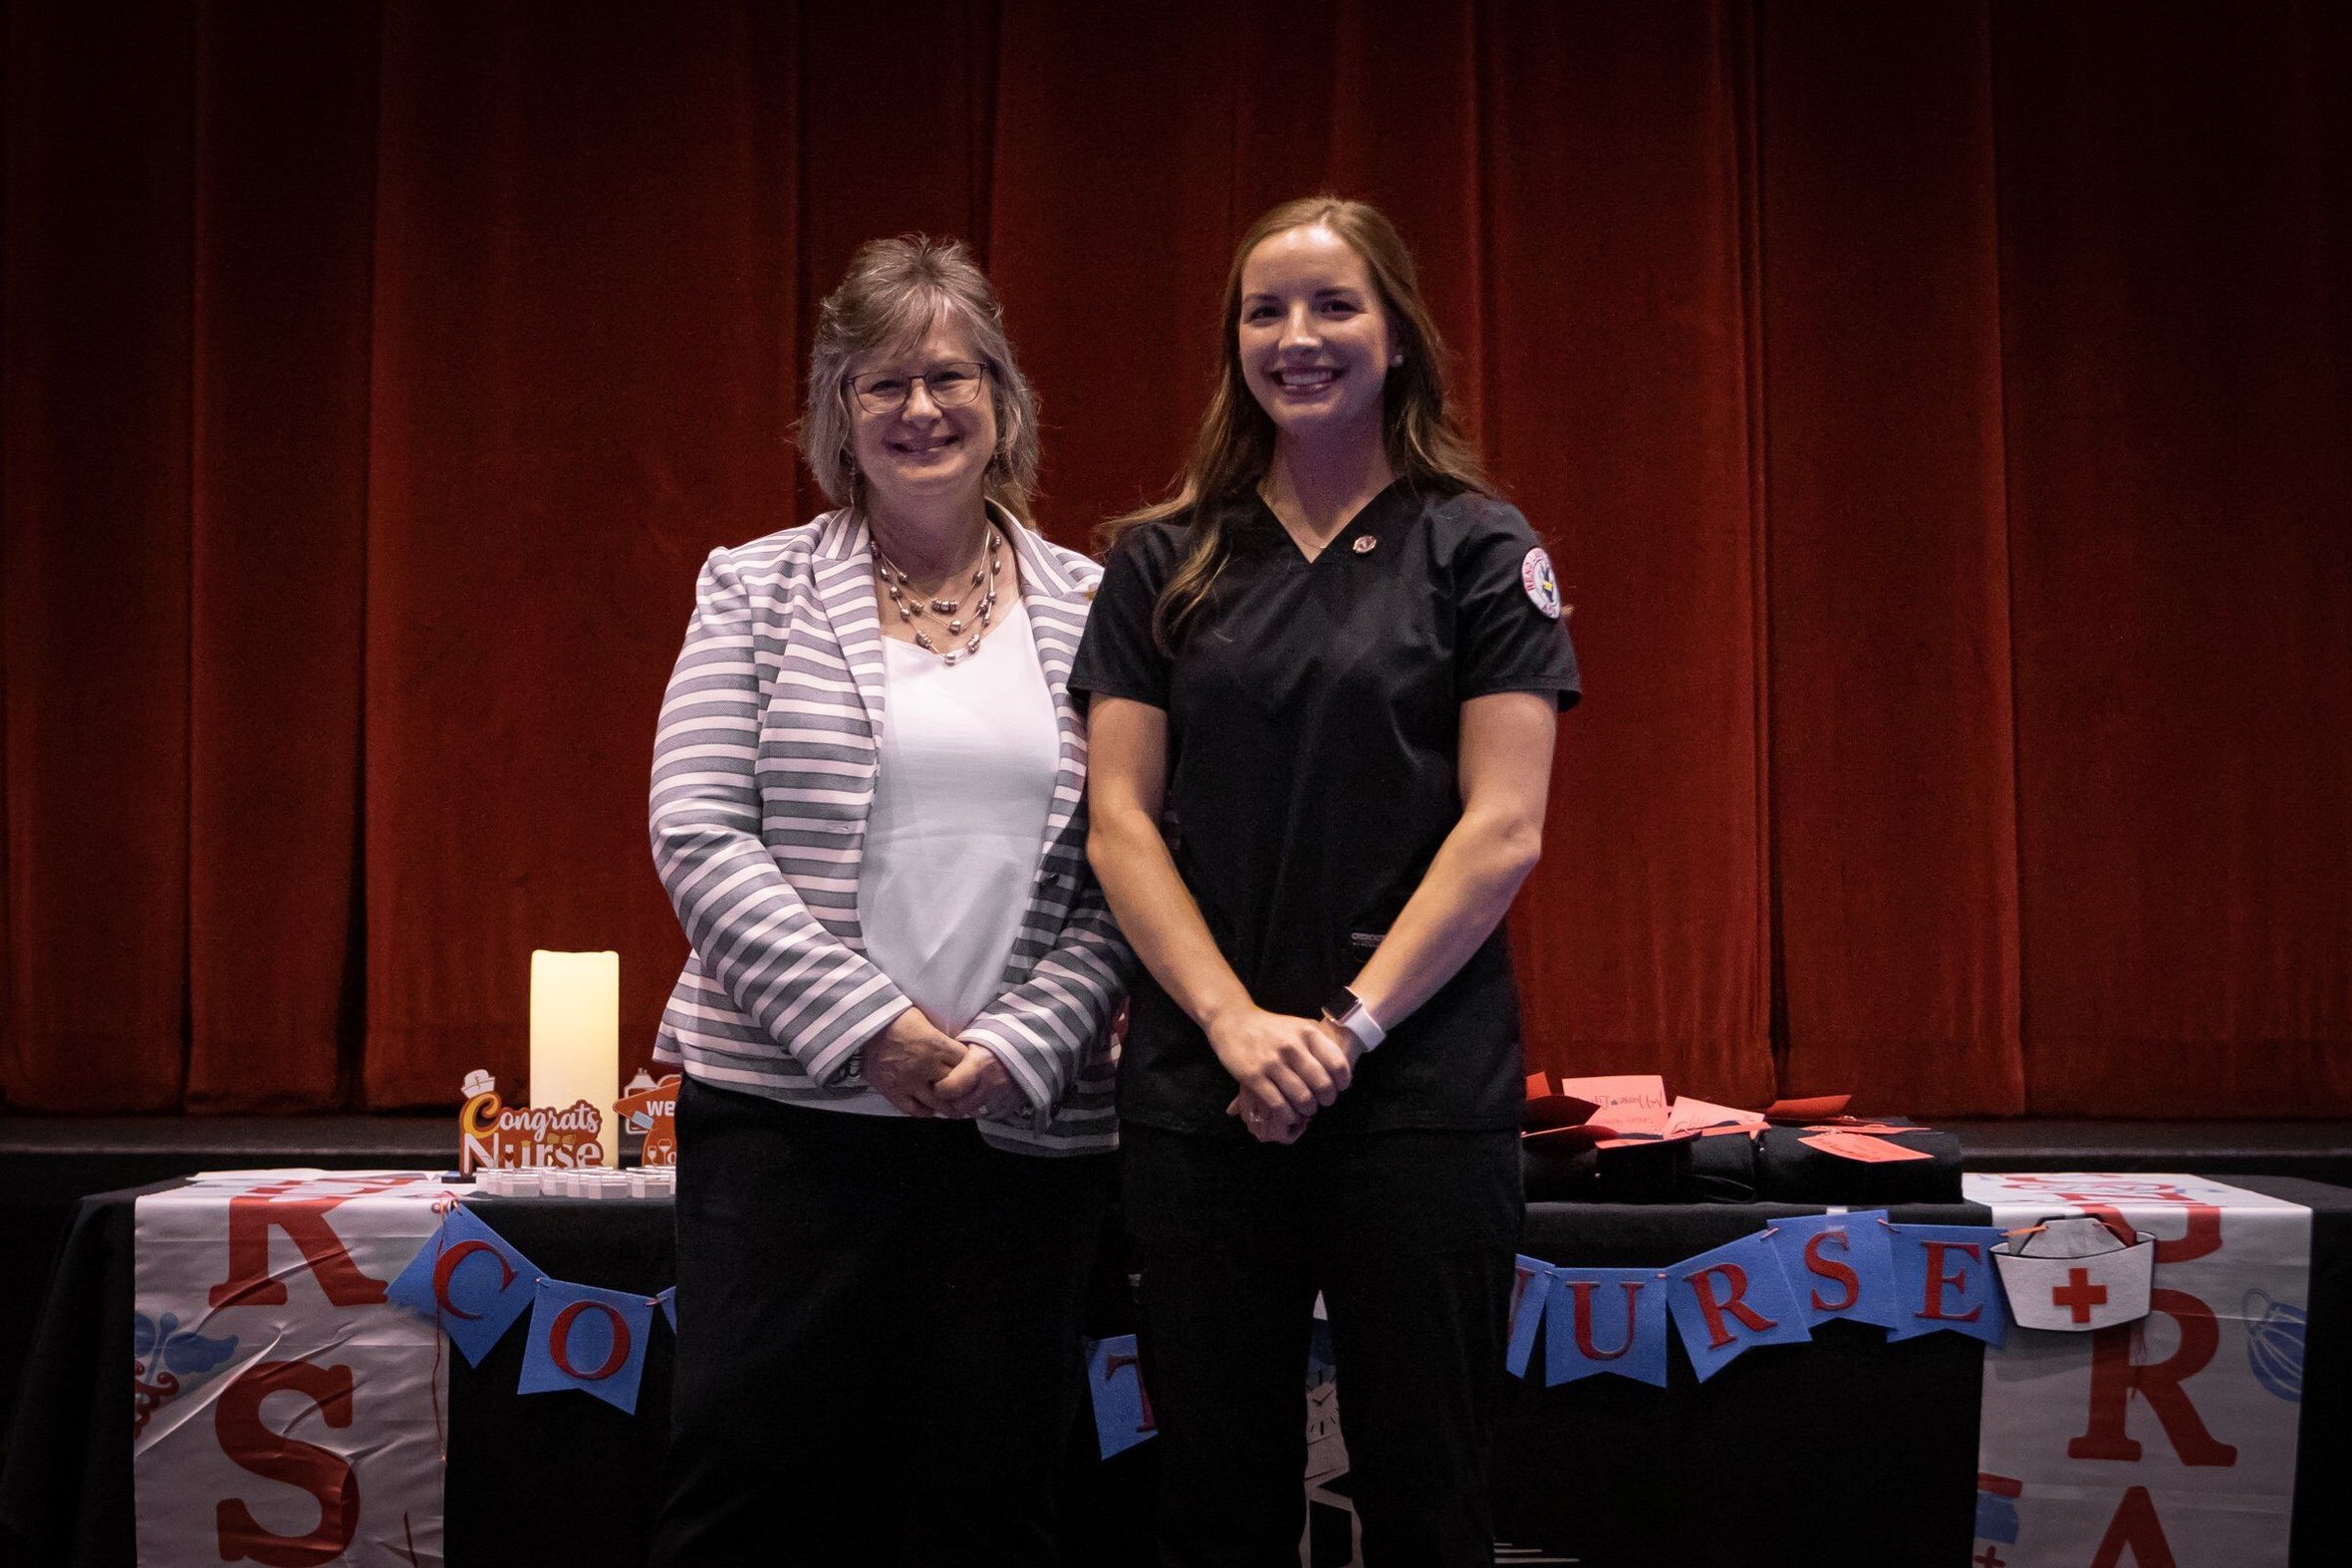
1787	1172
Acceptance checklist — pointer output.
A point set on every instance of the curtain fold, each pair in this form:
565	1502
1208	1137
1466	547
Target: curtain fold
1938	417
284	224
1893	776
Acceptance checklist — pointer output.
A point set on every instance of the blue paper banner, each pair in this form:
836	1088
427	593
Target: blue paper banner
587	1339
1606	1320
1528	1292
1322	1359
1839	1265
467	1281
667	1301
1732	1299
1123	1410
1945	1280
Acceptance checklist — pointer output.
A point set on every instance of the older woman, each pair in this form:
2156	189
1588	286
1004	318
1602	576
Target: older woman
868	809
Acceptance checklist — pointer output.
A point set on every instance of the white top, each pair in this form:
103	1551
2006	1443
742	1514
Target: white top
964	782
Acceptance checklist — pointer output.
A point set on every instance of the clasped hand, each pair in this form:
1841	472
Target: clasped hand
1287	1069
927	1072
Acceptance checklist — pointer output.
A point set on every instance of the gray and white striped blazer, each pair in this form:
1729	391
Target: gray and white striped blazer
763	778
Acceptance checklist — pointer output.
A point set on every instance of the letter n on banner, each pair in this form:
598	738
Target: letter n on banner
1732	1299
1123	1410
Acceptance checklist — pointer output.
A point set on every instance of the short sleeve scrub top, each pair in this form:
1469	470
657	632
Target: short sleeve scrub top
1313	721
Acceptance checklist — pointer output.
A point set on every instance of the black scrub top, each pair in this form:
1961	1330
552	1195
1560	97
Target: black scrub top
1313	724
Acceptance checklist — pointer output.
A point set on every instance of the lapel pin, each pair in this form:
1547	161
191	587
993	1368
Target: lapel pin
1365	543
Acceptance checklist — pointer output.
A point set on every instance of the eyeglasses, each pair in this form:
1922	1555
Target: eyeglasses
952	386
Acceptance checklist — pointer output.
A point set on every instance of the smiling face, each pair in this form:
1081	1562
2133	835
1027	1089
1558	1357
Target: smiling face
1315	339
925	456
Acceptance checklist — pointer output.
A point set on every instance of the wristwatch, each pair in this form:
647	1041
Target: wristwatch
1347	1010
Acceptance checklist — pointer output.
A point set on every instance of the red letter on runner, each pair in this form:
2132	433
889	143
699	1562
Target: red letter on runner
327	1476
304	1219
2115	1378
2135	1525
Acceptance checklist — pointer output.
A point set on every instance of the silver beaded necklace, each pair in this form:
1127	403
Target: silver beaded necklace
949	611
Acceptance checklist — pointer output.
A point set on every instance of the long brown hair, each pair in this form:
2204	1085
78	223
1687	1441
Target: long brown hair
1426	442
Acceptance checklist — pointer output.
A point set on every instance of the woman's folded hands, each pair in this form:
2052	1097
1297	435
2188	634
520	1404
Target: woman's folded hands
1287	1067
925	1072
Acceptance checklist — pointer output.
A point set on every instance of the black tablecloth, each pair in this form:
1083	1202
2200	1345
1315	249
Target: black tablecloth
1851	1449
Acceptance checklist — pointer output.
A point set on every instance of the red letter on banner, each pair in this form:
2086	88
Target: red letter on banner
558	1342
2135	1525
1831	1268
1111	1365
304	1219
1583	1317
236	1420
1713	1309
446	1266
2115	1379
1933	1306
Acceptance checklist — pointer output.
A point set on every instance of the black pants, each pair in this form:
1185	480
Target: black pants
1410	1238
877	1353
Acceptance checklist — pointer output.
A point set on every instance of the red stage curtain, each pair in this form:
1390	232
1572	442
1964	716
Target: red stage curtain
1939	416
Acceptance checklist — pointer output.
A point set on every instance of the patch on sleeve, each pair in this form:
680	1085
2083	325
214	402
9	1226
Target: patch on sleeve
1535	574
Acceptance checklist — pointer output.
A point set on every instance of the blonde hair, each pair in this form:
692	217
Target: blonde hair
1424	440
895	292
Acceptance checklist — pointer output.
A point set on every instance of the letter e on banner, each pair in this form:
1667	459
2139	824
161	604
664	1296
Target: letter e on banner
327	1476
1939	1280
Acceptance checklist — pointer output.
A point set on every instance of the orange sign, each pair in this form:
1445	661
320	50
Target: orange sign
652	1109
492	1136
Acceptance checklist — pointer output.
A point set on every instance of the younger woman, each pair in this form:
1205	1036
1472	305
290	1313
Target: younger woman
1325	678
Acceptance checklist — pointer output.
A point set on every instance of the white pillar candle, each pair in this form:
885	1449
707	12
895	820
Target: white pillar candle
576	1036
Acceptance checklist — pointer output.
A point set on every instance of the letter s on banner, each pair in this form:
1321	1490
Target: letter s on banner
327	1476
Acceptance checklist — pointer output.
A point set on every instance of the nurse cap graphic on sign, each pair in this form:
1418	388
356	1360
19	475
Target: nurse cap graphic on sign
2074	1274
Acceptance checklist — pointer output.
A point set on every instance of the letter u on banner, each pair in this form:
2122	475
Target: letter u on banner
1606	1320
587	1339
1732	1299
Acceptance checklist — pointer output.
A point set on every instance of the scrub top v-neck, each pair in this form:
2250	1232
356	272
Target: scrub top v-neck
1313	721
